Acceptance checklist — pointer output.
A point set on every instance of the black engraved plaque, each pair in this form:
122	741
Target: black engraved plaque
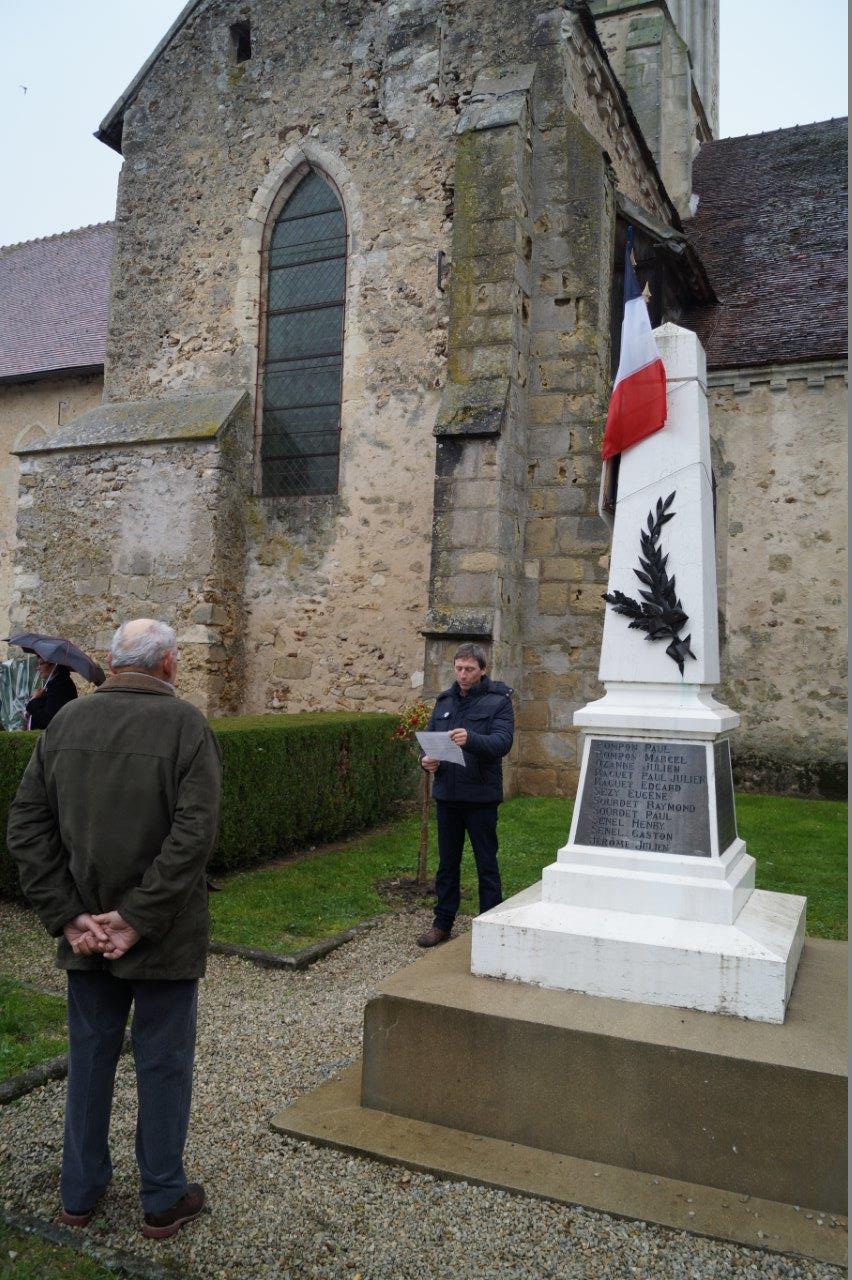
646	796
726	814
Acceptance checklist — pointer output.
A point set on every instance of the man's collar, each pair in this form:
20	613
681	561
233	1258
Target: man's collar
477	688
135	682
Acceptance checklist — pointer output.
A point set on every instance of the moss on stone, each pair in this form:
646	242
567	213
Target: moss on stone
473	408
196	417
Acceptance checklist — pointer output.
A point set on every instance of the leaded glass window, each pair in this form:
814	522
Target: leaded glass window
300	442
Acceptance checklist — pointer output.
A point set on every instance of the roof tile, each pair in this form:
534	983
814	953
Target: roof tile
54	302
771	231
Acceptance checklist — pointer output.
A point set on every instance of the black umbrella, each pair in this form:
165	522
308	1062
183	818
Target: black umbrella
63	652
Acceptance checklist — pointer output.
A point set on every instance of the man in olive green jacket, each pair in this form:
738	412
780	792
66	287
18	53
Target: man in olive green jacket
112	827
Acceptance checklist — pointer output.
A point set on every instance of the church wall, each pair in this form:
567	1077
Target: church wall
652	63
565	543
696	26
697	22
523	412
139	529
379	89
336	587
480	235
30	411
780	437
477	544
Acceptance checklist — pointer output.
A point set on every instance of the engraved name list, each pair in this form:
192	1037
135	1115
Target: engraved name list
646	796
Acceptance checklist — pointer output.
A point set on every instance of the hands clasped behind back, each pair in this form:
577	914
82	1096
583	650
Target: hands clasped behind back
107	934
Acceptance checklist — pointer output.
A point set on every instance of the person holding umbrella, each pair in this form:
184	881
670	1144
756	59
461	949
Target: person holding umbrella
57	658
58	688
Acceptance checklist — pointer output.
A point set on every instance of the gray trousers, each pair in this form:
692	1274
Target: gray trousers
163	1034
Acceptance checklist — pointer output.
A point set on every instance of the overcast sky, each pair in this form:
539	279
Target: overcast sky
63	63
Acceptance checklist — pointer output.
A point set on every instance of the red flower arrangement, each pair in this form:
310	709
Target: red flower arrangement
411	718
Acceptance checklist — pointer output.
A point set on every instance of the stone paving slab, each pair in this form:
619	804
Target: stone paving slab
333	1116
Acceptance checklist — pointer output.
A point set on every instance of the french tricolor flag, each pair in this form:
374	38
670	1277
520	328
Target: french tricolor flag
638	405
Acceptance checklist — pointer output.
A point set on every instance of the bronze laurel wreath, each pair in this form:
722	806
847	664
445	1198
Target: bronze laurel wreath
661	612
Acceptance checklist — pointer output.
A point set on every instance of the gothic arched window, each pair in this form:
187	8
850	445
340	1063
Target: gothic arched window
302	372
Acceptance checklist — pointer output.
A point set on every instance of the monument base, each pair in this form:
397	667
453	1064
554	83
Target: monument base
745	968
697	1121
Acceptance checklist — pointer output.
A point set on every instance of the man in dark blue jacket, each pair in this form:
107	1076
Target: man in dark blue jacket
477	713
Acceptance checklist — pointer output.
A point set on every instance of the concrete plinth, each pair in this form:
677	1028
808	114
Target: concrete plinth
567	1081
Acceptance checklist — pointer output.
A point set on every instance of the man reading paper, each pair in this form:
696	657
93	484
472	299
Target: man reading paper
477	714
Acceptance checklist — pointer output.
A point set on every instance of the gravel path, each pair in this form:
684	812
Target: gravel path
282	1208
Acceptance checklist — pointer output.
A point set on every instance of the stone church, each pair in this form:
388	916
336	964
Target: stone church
329	394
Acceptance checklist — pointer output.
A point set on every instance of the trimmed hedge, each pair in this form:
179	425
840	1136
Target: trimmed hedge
302	779
288	781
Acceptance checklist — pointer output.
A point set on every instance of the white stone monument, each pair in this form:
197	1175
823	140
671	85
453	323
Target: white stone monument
652	899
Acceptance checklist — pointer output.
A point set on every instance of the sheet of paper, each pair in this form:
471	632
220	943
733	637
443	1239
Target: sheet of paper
439	747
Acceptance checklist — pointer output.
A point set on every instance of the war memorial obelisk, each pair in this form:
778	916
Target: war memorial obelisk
580	1044
652	899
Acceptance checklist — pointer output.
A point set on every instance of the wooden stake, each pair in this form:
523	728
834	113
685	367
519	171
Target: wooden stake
423	853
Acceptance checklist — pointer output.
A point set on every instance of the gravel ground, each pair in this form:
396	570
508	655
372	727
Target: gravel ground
282	1208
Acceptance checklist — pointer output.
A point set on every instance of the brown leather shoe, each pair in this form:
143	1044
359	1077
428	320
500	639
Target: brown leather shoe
159	1226
69	1219
80	1217
433	937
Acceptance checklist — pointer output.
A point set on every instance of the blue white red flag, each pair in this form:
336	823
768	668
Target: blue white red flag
637	407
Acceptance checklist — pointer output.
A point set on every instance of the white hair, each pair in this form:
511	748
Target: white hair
146	648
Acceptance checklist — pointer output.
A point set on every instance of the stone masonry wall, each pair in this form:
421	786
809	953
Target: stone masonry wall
378	86
31	411
477	546
781	457
336	588
652	63
106	534
546	325
566	544
696	24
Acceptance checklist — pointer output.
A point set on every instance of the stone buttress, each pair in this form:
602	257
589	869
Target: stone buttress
519	554
132	511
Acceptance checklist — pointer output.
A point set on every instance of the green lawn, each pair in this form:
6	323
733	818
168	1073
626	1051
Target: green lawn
287	907
32	1027
800	847
26	1257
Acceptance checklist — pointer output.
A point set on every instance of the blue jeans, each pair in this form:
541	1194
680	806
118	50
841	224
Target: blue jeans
163	1034
479	821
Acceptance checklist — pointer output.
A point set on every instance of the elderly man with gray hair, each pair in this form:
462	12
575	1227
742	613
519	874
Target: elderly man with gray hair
113	824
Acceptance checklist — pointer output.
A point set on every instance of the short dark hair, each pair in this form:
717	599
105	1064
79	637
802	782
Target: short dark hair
474	651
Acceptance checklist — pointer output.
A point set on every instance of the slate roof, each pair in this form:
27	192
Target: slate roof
771	231
54	301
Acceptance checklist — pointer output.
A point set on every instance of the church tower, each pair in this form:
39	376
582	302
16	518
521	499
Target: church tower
666	56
